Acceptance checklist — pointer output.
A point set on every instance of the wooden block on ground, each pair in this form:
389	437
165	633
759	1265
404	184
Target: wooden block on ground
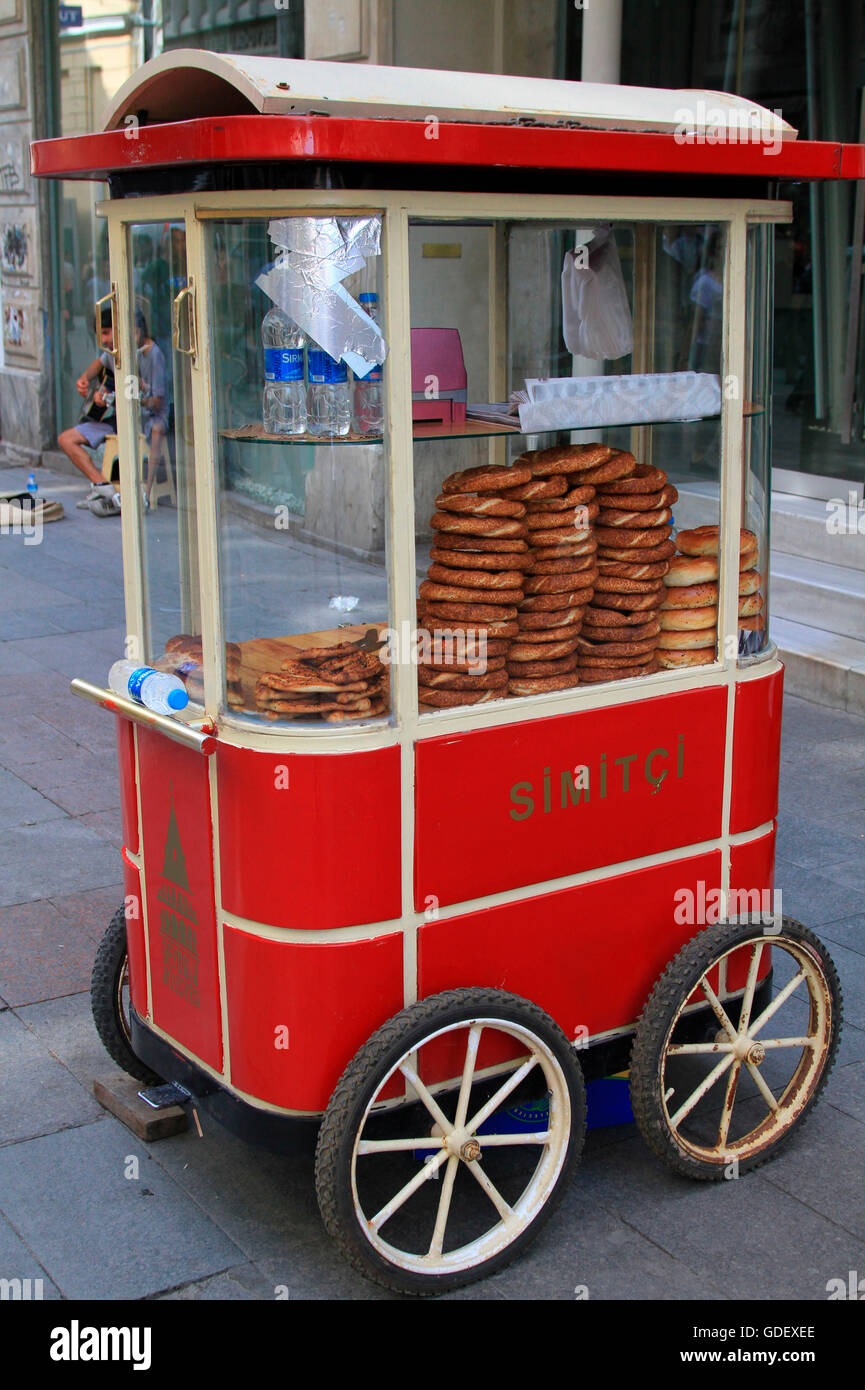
118	1094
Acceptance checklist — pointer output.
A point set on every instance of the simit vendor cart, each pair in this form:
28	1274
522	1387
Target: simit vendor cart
475	797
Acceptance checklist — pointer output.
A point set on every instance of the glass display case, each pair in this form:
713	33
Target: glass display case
555	386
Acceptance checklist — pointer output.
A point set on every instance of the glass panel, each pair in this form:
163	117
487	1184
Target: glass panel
597	352
757	486
294	305
162	401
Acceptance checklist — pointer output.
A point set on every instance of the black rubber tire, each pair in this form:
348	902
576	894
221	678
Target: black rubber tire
654	1027
358	1085
111	957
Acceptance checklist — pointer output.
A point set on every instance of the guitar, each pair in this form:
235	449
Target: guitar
91	409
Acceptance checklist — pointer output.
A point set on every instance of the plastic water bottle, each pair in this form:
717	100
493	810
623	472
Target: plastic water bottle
368	398
158	691
284	400
328	403
32	486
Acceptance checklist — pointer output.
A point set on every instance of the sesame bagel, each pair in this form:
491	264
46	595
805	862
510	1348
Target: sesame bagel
600	649
457	680
639	502
624	537
690	570
565	549
750	605
595	675
448	593
616	618
446	540
573	517
477	579
529	649
749	582
617	584
687	641
688	619
670	660
568	458
544	668
479	667
623	570
577	497
472	612
478	525
499	561
550	603
664	550
631	603
445	699
569	564
619	464
473	505
470	646
550	622
475	632
703	540
587	662
558	583
541	685
538	489
491	477
612	634
629	520
559	539
642	479
691	596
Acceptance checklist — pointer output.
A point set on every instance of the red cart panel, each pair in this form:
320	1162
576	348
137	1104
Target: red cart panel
310	840
502	808
181	918
589	955
756	752
135	938
128	783
298	1013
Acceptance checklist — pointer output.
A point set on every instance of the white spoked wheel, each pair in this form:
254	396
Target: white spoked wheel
719	1107
452	1183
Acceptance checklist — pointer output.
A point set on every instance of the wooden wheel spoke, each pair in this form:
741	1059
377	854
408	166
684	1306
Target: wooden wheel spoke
472	1046
694	1049
501	1094
762	1087
393	1146
444	1206
424	1096
777	1003
502	1141
750	986
717	1007
424	1173
705	1085
729	1098
498	1201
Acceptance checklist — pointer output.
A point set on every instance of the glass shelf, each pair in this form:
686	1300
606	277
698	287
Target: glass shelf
465	429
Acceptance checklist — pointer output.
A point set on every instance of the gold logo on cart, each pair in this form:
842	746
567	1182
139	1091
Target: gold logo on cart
177	919
610	776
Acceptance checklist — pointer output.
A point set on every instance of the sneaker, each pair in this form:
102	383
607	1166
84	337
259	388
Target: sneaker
84	504
106	502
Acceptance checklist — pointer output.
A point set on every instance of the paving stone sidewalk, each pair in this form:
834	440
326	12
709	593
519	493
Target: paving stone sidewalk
214	1218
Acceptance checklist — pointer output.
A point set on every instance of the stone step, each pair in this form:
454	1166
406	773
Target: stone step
831	597
821	666
833	532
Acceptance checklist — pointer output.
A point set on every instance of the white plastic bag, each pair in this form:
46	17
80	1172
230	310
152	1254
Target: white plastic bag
595	311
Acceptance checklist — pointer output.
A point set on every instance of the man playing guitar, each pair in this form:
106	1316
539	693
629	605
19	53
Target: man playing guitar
97	419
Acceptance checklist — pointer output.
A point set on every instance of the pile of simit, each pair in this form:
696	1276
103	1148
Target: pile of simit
337	683
689	613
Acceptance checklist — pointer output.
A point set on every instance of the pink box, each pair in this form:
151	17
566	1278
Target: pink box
437	362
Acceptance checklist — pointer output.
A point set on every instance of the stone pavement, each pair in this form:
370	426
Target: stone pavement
214	1218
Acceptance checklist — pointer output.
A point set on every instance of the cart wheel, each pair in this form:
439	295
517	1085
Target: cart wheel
423	1192
109	999
703	1105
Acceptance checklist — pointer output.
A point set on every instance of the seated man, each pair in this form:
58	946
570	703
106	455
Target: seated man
153	391
96	422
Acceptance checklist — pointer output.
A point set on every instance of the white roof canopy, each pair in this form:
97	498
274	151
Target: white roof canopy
186	83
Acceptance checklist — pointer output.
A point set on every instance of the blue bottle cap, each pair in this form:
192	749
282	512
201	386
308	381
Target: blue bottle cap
367	297
177	699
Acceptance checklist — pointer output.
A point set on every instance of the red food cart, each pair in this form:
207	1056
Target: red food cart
475	797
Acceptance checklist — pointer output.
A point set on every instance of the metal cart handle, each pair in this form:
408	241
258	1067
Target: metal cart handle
109	298
172	728
186	294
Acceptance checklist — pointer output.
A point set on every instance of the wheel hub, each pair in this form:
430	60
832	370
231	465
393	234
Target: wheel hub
470	1150
756	1054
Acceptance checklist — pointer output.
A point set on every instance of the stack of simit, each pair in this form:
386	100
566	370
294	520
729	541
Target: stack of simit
689	613
621	626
